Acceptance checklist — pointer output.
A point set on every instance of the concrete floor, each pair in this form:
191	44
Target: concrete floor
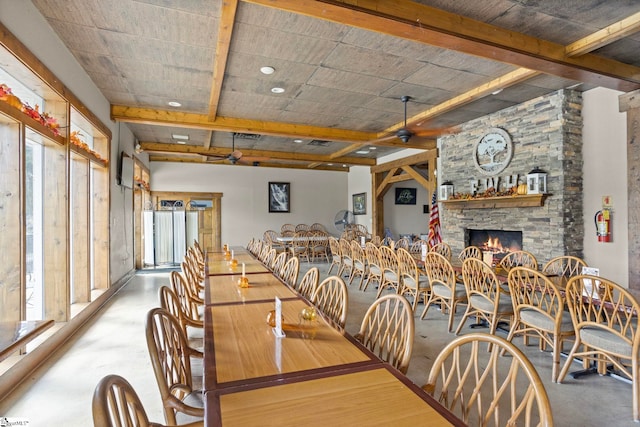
60	392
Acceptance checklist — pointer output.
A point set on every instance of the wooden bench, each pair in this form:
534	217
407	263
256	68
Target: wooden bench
15	335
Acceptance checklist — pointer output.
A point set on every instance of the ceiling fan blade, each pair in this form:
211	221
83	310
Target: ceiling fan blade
383	139
255	159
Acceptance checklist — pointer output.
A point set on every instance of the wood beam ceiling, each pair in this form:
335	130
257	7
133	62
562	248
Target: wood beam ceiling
225	31
424	24
160	158
160	147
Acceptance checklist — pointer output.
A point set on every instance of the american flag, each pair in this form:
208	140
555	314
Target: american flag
434	222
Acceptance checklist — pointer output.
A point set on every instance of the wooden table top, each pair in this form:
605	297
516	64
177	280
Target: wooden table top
374	395
262	287
240	347
222	267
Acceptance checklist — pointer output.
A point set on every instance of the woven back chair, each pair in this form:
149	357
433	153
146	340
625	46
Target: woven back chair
309	283
336	259
519	259
443	249
278	264
388	329
566	266
289	272
412	283
470	252
390	274
374	265
359	260
605	319
487	389
332	299
445	288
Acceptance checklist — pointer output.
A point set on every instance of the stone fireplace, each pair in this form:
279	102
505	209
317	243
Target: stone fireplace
546	133
495	243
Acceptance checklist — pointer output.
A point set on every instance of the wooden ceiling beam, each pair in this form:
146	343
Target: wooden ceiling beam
160	147
225	30
424	24
150	116
160	158
605	36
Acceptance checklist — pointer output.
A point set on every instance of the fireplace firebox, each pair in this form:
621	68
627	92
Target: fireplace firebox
494	243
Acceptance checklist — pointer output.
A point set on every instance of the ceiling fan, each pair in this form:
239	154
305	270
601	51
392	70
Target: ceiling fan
236	156
405	133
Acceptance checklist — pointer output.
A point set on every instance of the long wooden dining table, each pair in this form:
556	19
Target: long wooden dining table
317	375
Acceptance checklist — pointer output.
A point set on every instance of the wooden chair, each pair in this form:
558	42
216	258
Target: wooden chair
518	259
193	328
278	263
301	227
416	247
336	259
332	299
604	316
539	309
191	306
270	258
316	226
372	254
487	389
116	404
402	243
271	237
390	274
289	272
566	266
171	361
485	297
376	240
300	245
470	252
345	258
445	288
318	245
251	246
443	249
359	261
388	241
412	283
309	283
388	329
264	251
287	230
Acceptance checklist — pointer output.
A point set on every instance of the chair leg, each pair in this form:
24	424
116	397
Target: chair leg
452	313
556	357
464	319
567	363
636	387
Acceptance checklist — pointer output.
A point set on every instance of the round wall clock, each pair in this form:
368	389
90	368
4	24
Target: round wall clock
492	153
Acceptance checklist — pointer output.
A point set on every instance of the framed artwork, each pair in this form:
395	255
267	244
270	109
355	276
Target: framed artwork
405	196
360	204
279	196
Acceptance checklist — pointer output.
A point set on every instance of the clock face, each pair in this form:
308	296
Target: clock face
492	153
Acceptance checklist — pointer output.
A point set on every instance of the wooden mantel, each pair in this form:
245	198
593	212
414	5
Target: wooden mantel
522	201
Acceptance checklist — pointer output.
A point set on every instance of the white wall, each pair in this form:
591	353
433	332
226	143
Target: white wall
605	174
316	196
30	27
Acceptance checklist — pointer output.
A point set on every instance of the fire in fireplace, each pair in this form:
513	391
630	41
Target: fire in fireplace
497	242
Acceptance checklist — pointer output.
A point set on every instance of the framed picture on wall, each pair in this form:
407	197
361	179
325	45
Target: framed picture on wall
279	196
360	204
405	196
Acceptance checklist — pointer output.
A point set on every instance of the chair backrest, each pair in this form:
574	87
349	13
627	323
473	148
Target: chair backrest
181	289
470	252
345	249
302	227
566	265
264	251
331	298
270	236
287	229
170	302
388	241
316	226
440	270
278	263
403	243
257	250
270	258
416	247
407	268
372	254
480	280
334	245
533	292
484	388
376	240
289	272
443	249
389	259
388	329
116	404
601	304
519	259
309	283
357	254
251	246
169	352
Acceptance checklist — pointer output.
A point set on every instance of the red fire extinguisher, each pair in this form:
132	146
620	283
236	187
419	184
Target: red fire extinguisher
603	225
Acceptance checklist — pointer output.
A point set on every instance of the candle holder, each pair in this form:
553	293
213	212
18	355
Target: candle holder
227	255
234	263
243	282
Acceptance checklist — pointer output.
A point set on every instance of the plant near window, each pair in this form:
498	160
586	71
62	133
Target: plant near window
43	118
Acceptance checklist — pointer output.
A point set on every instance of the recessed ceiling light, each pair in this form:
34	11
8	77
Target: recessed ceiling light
267	70
297	141
495	92
344	166
373	148
362	152
174	104
181	142
181	137
277	90
329	164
